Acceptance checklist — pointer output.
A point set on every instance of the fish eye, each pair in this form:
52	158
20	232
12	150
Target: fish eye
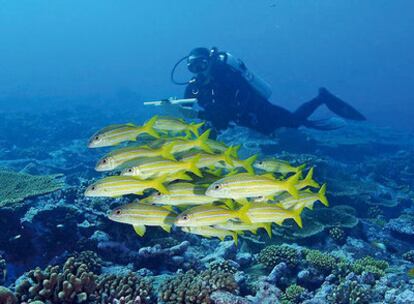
185	217
118	212
130	170
104	161
96	137
260	163
217	187
158	194
93	188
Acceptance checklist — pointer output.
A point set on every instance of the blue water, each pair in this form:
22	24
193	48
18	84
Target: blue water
68	69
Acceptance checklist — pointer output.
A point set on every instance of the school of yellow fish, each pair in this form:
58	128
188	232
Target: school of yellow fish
196	183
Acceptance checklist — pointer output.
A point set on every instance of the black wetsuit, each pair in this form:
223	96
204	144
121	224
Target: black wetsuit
228	97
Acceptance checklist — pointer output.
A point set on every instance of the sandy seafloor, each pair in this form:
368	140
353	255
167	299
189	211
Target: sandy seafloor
359	250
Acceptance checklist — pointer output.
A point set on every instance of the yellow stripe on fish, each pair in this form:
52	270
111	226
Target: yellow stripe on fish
210	160
199	143
140	215
180	194
306	199
116	158
116	134
245	185
158	166
277	166
207	215
115	186
240	226
176	125
208	231
271	213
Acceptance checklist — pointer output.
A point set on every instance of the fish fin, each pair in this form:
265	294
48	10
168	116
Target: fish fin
322	195
309	181
148	127
248	163
158	184
228	155
254	231
243	201
268	228
193	166
202	141
242	214
269	175
139	193
216	172
290	185
230	204
235	151
166	228
296	216
166	151
183	176
194	127
300	168
140	229
232	172
235	237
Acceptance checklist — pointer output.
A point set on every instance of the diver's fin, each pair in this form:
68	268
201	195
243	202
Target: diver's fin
328	124
338	106
139	229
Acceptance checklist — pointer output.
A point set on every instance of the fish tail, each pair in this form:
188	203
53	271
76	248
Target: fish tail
195	127
166	151
291	183
202	141
193	166
322	195
248	163
300	168
309	181
149	127
227	156
158	184
183	176
235	237
236	151
242	213
268	228
297	218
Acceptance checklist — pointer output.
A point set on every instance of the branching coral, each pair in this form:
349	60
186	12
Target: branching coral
369	264
350	292
129	289
15	187
324	262
275	254
192	287
294	294
73	283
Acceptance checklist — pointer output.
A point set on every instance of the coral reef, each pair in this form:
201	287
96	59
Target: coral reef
7	296
15	187
275	254
192	287
294	294
323	262
409	256
72	283
3	270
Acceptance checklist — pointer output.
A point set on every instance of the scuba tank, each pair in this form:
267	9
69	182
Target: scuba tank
257	83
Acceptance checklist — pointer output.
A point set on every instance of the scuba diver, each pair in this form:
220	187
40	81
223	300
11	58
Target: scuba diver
228	92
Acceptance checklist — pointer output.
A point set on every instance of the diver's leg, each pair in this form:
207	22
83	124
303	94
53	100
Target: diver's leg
336	105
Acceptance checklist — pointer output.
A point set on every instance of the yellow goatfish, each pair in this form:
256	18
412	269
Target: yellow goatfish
157	166
240	226
271	213
200	143
246	164
176	125
115	186
245	185
208	231
277	166
306	199
219	146
116	158
210	160
116	134
180	194
206	215
140	215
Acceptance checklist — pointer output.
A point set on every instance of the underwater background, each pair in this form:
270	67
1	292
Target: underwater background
71	68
